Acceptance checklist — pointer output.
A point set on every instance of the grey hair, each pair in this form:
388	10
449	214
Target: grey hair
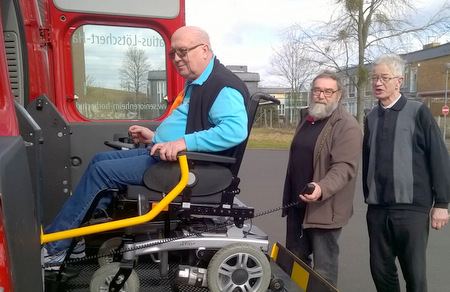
334	76
394	62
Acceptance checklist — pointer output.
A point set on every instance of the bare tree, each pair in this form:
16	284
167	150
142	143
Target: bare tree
294	65
134	70
88	84
361	29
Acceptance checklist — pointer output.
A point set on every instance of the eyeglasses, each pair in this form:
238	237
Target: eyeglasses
182	52
383	79
327	92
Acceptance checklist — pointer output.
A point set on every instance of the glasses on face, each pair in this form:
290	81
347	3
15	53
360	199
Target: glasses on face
383	79
326	92
182	52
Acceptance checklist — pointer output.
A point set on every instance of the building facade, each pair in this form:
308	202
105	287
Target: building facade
426	78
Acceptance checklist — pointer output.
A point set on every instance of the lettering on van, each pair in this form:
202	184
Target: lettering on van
117	40
120	106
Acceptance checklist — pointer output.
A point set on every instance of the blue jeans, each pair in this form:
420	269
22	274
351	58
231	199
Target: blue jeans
322	244
107	170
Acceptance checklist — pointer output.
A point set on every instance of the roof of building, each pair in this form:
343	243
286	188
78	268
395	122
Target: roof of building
427	53
248	76
273	90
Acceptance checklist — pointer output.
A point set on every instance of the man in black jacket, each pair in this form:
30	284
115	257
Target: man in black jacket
406	173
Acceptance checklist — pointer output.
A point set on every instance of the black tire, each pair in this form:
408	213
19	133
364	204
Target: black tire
102	278
239	266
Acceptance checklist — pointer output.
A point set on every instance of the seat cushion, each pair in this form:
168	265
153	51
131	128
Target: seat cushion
205	178
207	181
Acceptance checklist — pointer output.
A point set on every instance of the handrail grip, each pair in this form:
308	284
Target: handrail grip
125	222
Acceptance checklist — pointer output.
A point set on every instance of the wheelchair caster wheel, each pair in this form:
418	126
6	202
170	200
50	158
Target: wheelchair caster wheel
102	278
107	250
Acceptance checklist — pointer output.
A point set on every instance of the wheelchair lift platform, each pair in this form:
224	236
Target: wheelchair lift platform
150	279
288	274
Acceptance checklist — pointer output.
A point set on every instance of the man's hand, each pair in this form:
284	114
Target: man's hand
169	150
141	134
439	218
314	196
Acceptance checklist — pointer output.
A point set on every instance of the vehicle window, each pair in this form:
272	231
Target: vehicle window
119	72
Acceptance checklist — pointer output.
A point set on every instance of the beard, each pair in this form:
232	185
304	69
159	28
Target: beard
320	111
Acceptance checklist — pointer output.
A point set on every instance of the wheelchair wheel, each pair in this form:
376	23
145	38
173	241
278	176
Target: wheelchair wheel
239	267
108	248
102	278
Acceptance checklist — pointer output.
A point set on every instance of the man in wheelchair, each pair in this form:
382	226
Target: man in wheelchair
209	115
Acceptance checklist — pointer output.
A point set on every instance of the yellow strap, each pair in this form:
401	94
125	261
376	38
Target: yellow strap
178	100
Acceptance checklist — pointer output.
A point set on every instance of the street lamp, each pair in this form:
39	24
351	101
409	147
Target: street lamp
447	68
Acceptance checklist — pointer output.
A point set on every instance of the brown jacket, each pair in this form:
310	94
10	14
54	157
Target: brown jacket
336	157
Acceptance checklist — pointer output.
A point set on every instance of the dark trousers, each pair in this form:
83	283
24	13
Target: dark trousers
322	244
401	234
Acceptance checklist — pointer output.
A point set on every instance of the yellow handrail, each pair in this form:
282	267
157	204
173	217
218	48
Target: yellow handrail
125	222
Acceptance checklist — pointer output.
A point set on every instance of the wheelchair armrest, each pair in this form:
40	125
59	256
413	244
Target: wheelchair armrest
201	156
120	145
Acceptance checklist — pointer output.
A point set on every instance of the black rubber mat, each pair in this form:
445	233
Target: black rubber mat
147	271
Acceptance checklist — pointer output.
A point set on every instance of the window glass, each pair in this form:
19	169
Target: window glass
351	87
119	72
413	80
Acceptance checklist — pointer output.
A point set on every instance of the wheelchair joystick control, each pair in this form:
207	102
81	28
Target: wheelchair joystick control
122	143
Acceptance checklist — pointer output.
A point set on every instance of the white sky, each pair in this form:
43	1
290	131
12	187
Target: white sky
244	32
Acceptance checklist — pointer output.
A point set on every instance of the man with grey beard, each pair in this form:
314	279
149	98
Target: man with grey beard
325	152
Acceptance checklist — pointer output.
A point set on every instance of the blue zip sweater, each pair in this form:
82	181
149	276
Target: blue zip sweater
405	161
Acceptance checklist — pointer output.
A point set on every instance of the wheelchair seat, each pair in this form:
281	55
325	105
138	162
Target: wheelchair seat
206	182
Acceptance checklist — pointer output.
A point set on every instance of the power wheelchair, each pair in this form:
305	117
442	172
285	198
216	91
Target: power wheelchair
204	226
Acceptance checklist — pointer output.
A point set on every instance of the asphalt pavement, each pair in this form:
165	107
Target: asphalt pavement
262	176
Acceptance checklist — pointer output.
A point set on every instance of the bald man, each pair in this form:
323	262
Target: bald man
209	115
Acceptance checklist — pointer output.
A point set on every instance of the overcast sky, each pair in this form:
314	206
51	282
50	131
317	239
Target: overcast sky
244	32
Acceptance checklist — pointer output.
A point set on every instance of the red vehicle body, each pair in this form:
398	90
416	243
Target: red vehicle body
48	55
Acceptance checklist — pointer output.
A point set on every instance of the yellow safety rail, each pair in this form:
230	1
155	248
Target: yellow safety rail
129	221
